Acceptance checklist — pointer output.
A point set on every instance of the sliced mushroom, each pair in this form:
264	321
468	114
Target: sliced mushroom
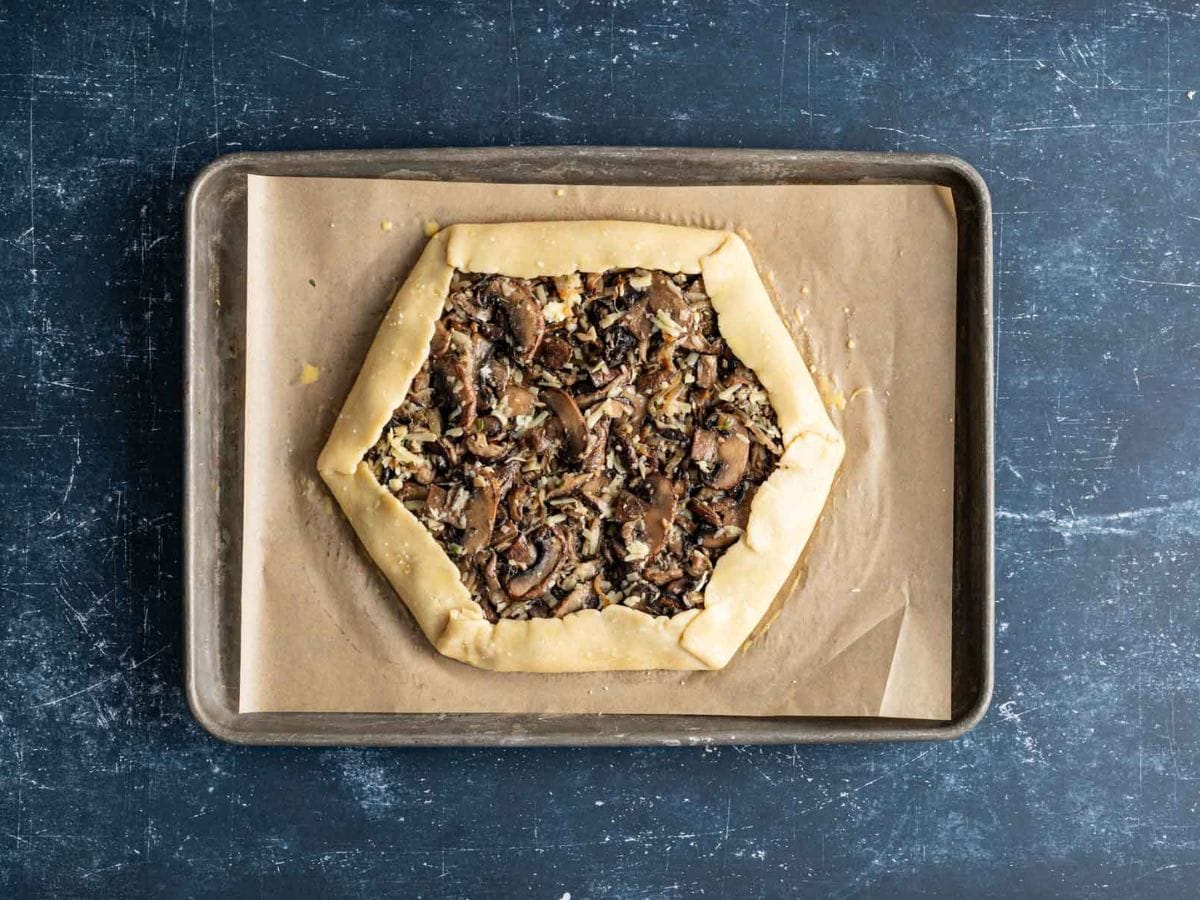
464	303
704	513
665	296
480	515
570	483
597	448
660	513
678	586
517	400
504	533
526	324
723	537
706	370
637	323
733	452
435	500
477	443
554	352
760	462
607	384
413	491
441	339
538	578
574	426
459	394
574	601
698	564
659	577
653	380
628	507
704	446
519	502
494	598
693	340
535	439
521	553
592	490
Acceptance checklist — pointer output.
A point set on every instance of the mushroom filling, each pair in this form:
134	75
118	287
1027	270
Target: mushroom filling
582	440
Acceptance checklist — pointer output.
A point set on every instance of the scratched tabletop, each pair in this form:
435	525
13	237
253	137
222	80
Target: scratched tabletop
1085	777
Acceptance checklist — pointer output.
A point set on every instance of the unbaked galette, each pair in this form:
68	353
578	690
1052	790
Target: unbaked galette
584	445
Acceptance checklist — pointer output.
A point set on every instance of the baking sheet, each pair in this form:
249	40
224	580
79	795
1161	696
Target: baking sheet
865	630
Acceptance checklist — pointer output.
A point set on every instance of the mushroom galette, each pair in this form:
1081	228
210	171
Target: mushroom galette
579	446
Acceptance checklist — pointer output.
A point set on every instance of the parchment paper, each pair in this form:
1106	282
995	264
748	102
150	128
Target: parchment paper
865	277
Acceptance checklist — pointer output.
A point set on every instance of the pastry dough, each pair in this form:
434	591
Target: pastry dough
746	578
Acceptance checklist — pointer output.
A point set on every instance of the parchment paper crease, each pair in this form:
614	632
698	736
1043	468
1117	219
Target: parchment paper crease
865	277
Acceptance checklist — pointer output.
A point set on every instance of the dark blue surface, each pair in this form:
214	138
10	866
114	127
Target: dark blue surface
1086	774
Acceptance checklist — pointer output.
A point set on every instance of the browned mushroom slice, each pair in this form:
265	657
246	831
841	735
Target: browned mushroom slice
464	302
441	339
449	451
495	599
435	500
704	446
592	490
480	515
637	323
526	324
678	586
477	443
698	564
659	577
693	340
539	577
521	554
660	513
520	500
628	507
665	296
574	426
517	400
574	601
504	533
733	452
569	484
593	282
705	513
723	537
706	371
654	380
506	475
633	536
760	462
597	449
554	352
607	383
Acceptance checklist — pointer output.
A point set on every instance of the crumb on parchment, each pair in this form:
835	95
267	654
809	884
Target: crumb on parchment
831	394
309	373
385	225
432	228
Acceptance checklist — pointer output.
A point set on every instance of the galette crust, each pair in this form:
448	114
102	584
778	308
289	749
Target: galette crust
746	579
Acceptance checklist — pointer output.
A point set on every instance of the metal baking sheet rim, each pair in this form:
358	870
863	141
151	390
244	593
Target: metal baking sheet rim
210	600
